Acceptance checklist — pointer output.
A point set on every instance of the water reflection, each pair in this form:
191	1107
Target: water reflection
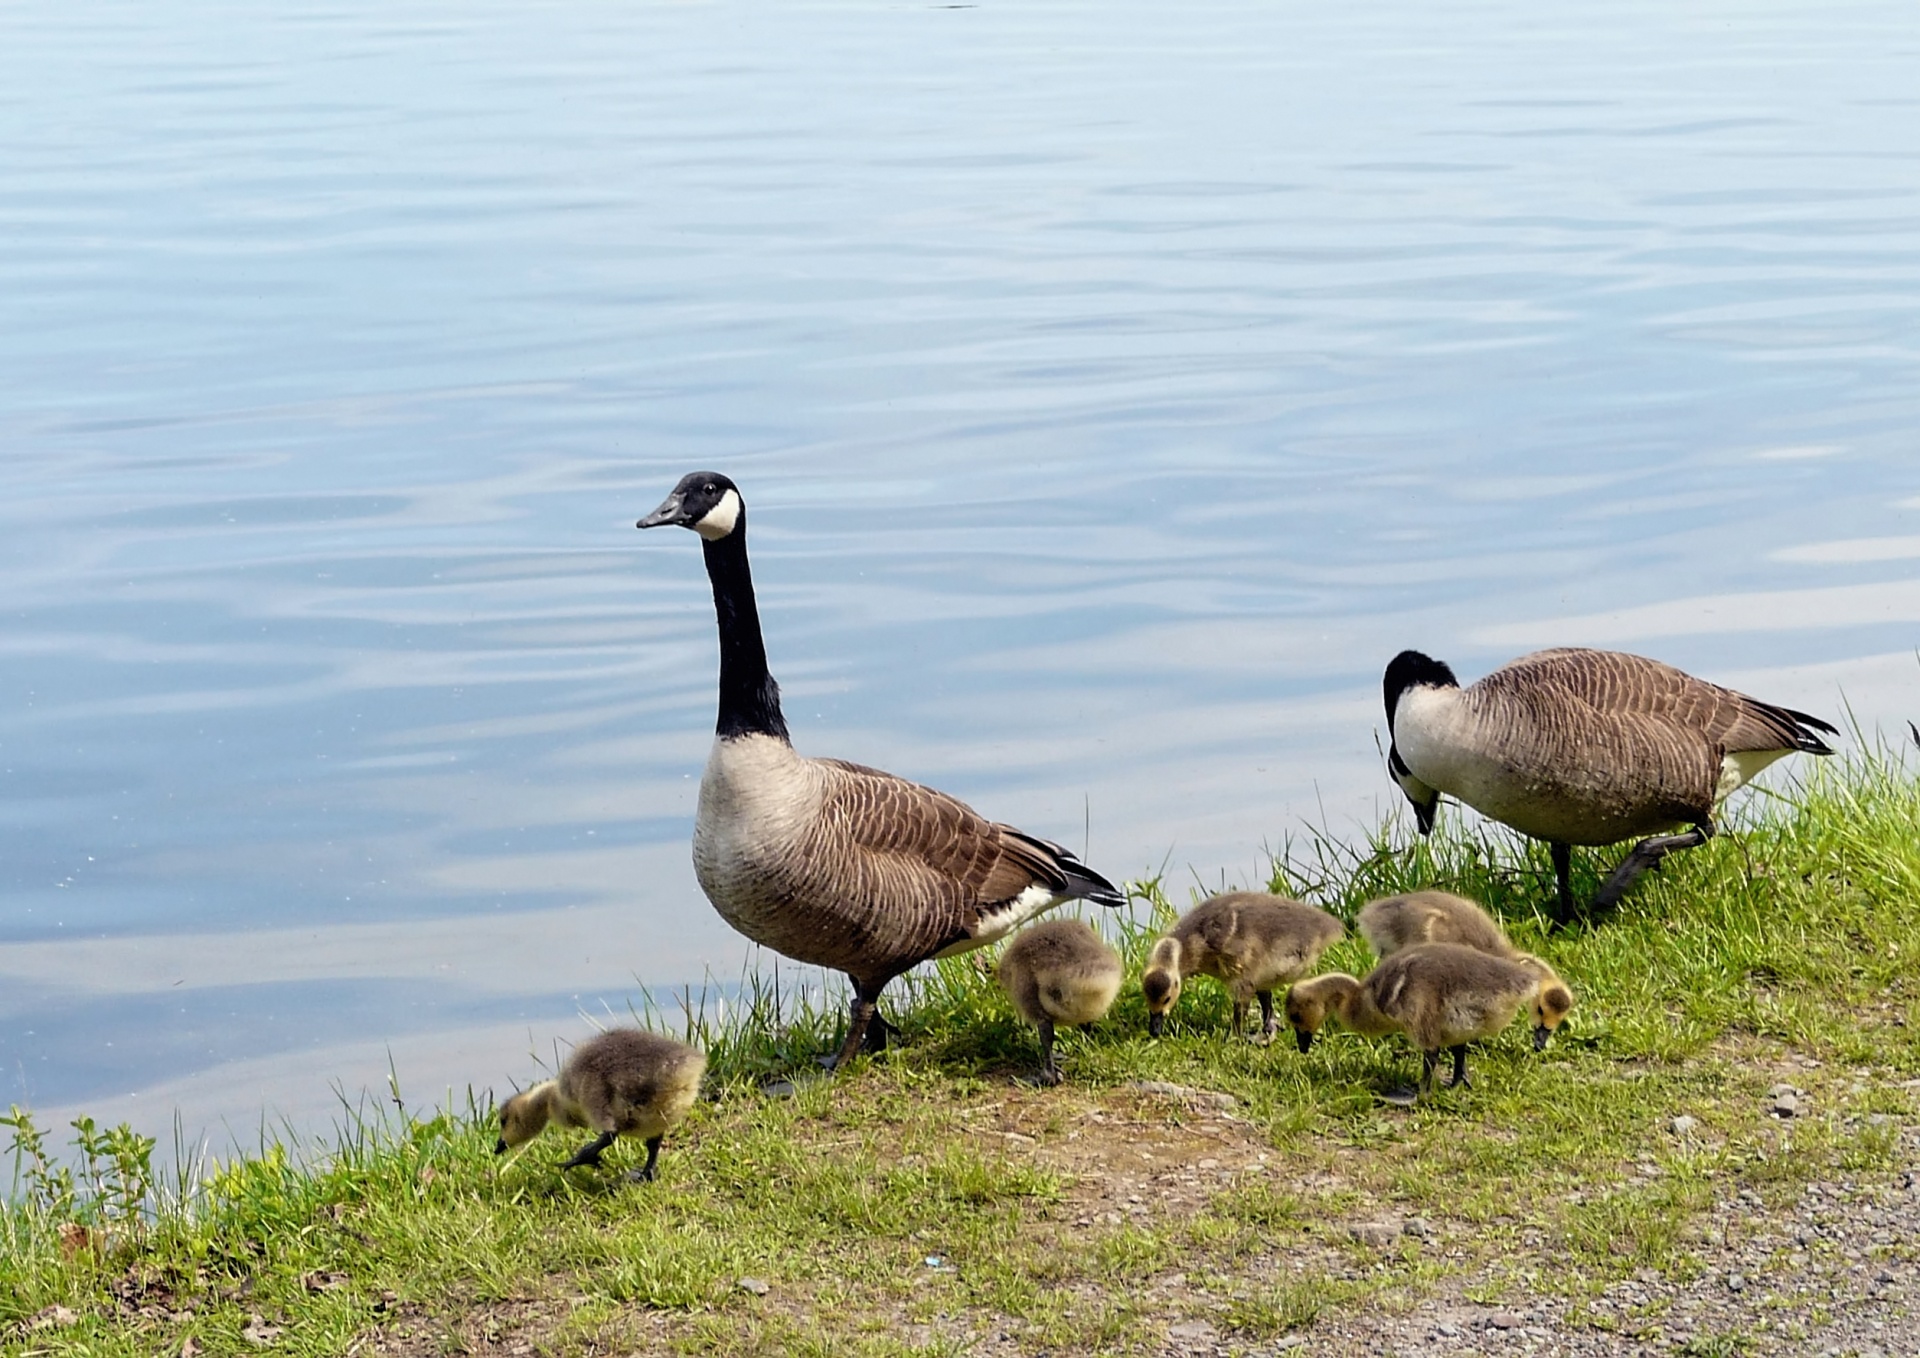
1114	391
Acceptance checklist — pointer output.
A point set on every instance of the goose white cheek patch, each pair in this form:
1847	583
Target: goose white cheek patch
719	521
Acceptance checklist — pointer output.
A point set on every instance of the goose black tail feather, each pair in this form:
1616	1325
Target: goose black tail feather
1808	742
1088	885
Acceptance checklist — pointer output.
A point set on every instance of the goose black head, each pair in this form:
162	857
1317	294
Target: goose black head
1412	669
1409	670
706	502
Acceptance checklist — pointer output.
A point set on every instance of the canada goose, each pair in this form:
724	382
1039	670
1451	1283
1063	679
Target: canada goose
1441	995
1583	747
1395	923
624	1082
1059	972
829	862
1248	940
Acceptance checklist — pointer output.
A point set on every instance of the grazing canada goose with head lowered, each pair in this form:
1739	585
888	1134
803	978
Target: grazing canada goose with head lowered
1059	972
1250	941
1441	995
833	863
624	1082
1584	747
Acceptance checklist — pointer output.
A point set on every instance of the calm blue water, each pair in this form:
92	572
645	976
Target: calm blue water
1115	387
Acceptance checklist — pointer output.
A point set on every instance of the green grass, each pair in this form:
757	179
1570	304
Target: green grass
927	1199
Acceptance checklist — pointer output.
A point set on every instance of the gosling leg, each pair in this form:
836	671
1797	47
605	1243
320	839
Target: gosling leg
1459	1080
1267	1027
1239	1017
644	1174
589	1154
1647	854
1428	1062
1049	1068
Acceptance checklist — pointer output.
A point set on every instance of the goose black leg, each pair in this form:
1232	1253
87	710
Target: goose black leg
1266	1014
1460	1067
589	1154
644	1174
1563	878
1647	854
866	1030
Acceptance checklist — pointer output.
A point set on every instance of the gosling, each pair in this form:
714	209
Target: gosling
1249	941
1441	995
1395	923
1059	972
626	1082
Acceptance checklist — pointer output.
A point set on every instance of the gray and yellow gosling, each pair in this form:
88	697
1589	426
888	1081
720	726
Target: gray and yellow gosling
626	1082
1441	995
1059	972
1395	923
1249	941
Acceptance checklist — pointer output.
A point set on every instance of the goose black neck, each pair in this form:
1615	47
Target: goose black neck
749	698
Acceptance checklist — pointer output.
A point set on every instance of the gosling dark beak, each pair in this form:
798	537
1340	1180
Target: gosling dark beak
1304	1040
1540	1036
1156	1024
500	1146
668	513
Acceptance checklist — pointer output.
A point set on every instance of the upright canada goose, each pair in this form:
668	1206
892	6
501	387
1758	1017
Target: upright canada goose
1584	747
1441	995
1059	972
1250	941
829	862
624	1082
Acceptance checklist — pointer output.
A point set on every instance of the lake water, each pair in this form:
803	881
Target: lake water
1115	387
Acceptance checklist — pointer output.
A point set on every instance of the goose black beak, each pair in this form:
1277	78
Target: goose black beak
1304	1040
500	1146
1156	1024
668	513
1540	1036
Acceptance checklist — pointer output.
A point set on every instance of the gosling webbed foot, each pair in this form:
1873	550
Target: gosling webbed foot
644	1174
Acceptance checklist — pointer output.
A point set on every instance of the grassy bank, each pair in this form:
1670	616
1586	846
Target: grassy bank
929	1202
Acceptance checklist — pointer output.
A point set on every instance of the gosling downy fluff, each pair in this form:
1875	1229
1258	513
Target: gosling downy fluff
1250	941
625	1082
1059	972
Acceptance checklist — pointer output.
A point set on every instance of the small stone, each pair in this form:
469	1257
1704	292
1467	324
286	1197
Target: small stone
1208	1098
1445	1330
1736	1282
1192	1332
1376	1235
1786	1105
1292	1341
53	1318
757	1286
1503	1320
1683	1125
1417	1227
259	1333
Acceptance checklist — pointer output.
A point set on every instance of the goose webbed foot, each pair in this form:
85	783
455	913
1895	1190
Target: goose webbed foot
588	1156
1644	856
